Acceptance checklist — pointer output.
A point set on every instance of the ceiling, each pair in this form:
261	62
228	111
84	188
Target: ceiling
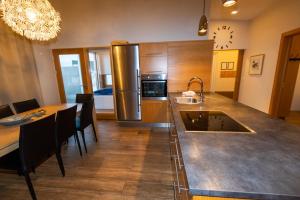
248	9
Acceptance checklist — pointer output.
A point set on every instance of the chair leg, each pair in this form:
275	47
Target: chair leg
30	186
95	133
83	138
60	163
78	143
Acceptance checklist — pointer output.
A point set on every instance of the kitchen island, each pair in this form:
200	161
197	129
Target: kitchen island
261	165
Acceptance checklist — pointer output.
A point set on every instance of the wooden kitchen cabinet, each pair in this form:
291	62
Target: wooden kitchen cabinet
189	59
155	111
154	64
153	49
153	58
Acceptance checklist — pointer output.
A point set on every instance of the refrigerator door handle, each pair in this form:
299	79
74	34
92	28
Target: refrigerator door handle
138	90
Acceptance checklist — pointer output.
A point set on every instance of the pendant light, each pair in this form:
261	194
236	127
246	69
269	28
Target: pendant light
203	24
33	19
228	3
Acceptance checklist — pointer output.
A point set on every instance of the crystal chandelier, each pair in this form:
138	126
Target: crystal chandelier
34	19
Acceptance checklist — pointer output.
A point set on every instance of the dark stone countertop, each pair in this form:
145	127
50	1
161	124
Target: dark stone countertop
264	165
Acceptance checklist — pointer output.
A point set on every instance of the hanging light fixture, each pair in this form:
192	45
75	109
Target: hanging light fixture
228	3
203	24
34	19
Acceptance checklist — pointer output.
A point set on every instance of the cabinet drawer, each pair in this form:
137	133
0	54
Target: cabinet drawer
154	111
153	49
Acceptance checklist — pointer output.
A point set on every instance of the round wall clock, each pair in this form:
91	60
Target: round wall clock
223	37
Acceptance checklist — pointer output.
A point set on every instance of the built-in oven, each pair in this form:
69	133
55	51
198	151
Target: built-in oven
154	86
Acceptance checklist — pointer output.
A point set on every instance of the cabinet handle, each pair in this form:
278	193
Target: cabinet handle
180	187
174	188
153	54
177	153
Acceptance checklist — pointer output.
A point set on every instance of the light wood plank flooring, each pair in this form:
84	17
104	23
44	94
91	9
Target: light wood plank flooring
126	163
293	118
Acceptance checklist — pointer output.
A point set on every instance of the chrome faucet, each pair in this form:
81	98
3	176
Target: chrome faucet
196	78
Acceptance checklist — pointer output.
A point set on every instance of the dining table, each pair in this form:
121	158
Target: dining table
9	135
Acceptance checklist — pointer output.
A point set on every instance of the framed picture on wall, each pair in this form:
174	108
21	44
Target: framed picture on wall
256	64
227	65
230	66
223	65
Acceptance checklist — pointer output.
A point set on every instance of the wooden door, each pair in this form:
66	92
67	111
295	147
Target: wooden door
288	87
72	73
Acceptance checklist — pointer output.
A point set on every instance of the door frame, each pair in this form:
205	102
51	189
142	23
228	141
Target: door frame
239	67
86	79
283	57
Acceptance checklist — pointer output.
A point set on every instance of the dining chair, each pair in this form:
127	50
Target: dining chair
85	98
85	119
5	111
36	145
23	106
65	128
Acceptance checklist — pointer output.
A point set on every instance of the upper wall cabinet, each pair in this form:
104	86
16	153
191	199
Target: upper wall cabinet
153	49
186	60
153	58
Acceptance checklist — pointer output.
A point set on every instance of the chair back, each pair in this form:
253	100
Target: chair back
86	114
5	111
83	98
65	125
37	143
23	106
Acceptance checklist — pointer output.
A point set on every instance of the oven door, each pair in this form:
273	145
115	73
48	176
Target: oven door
152	89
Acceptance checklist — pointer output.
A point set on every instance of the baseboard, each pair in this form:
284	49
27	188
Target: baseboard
105	116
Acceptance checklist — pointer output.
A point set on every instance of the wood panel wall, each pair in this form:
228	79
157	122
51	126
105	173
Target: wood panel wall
18	73
186	60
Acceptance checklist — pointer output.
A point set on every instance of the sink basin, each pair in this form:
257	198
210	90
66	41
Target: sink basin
212	121
187	100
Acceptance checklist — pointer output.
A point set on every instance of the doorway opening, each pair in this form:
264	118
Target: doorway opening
226	72
101	78
71	72
285	102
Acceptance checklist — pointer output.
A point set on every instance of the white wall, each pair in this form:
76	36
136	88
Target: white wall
240	33
264	38
92	23
296	98
18	75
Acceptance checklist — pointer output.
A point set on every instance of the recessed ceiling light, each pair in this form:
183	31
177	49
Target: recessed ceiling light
234	12
228	3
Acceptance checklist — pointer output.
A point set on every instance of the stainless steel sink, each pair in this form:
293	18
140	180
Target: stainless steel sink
212	121
188	100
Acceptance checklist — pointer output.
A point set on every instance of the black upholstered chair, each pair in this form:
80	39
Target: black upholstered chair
36	145
65	128
23	106
84	98
5	111
85	119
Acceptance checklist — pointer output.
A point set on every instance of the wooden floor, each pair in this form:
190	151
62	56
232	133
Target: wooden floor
126	163
293	118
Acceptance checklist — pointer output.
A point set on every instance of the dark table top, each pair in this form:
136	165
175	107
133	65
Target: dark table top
264	165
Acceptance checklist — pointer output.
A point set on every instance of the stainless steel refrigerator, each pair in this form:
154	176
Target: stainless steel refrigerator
126	75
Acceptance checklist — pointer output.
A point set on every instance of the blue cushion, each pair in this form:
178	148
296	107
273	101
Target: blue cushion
104	91
77	122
